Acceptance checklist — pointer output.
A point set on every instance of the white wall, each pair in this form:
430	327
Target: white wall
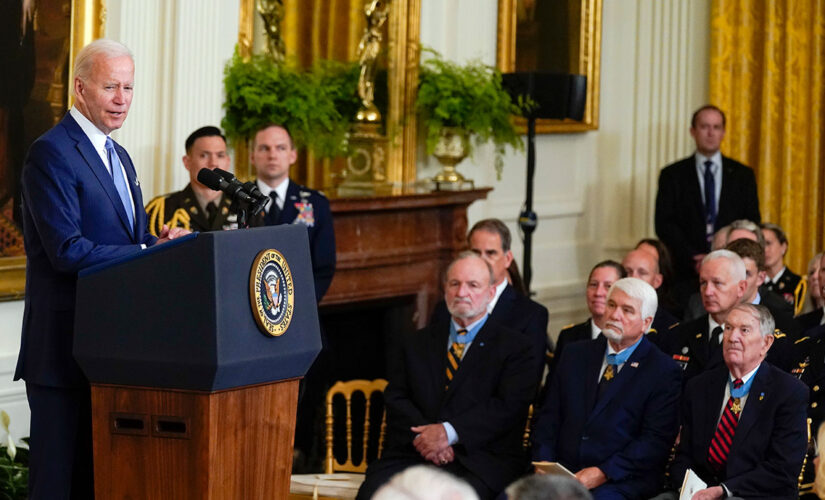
594	191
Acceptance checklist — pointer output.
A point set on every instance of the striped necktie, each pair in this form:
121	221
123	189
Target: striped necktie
723	438
454	355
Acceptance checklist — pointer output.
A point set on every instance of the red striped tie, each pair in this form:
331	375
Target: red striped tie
723	438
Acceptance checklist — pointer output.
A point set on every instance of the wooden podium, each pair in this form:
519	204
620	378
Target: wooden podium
190	398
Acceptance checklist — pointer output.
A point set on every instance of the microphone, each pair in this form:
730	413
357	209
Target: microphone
215	181
249	188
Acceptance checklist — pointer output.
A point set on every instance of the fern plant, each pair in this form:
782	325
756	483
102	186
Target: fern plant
316	105
469	97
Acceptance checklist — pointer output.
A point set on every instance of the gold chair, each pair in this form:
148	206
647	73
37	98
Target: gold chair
342	480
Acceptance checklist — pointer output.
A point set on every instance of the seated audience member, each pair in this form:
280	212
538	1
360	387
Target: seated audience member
809	367
641	264
459	390
816	277
743	423
696	344
665	263
490	239
196	207
740	229
611	412
779	280
601	278
542	487
786	329
425	483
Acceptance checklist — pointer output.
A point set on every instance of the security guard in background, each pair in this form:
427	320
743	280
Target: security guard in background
196	207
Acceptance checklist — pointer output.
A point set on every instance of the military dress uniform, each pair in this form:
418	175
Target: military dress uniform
809	367
181	209
689	344
789	286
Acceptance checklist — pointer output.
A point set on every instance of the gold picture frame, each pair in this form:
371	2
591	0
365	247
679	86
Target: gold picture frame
586	45
87	22
402	83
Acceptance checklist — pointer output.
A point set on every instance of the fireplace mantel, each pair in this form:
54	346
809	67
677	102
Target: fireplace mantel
394	246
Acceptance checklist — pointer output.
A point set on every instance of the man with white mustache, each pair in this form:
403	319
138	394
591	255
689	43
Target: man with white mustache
611	413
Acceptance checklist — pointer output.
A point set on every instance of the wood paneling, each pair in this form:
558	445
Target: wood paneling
223	445
391	246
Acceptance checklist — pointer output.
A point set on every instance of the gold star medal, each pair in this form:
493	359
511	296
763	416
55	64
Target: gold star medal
608	372
736	407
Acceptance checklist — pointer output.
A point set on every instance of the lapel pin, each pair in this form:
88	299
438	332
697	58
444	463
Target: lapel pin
698	335
481	344
634	364
137	183
761	396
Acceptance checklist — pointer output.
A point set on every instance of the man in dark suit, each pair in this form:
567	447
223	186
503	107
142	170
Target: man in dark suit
643	264
82	206
743	423
611	414
196	207
754	258
491	239
599	281
458	391
273	153
700	194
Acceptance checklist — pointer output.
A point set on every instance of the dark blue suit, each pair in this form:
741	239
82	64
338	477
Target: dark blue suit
627	433
769	442
518	313
486	403
72	218
310	208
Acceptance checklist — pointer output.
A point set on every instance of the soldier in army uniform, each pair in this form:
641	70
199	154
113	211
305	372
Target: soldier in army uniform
780	280
196	207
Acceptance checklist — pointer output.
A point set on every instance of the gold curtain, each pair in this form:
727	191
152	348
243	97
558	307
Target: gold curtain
767	65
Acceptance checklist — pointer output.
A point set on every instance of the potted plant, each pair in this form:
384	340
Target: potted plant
316	105
464	105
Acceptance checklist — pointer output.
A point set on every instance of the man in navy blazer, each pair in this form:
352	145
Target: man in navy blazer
681	209
74	217
611	414
462	408
761	406
491	239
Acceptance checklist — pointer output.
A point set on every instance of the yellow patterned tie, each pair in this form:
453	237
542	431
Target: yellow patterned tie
454	354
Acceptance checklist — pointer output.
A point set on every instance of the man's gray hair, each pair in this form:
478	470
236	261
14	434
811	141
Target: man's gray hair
423	482
104	47
639	290
546	487
737	265
469	254
760	313
747	226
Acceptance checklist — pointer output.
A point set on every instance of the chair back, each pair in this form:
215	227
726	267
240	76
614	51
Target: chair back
347	389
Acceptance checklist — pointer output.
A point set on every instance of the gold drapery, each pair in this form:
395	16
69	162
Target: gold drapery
767	66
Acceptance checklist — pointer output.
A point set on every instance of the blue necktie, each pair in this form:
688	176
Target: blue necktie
710	201
120	182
